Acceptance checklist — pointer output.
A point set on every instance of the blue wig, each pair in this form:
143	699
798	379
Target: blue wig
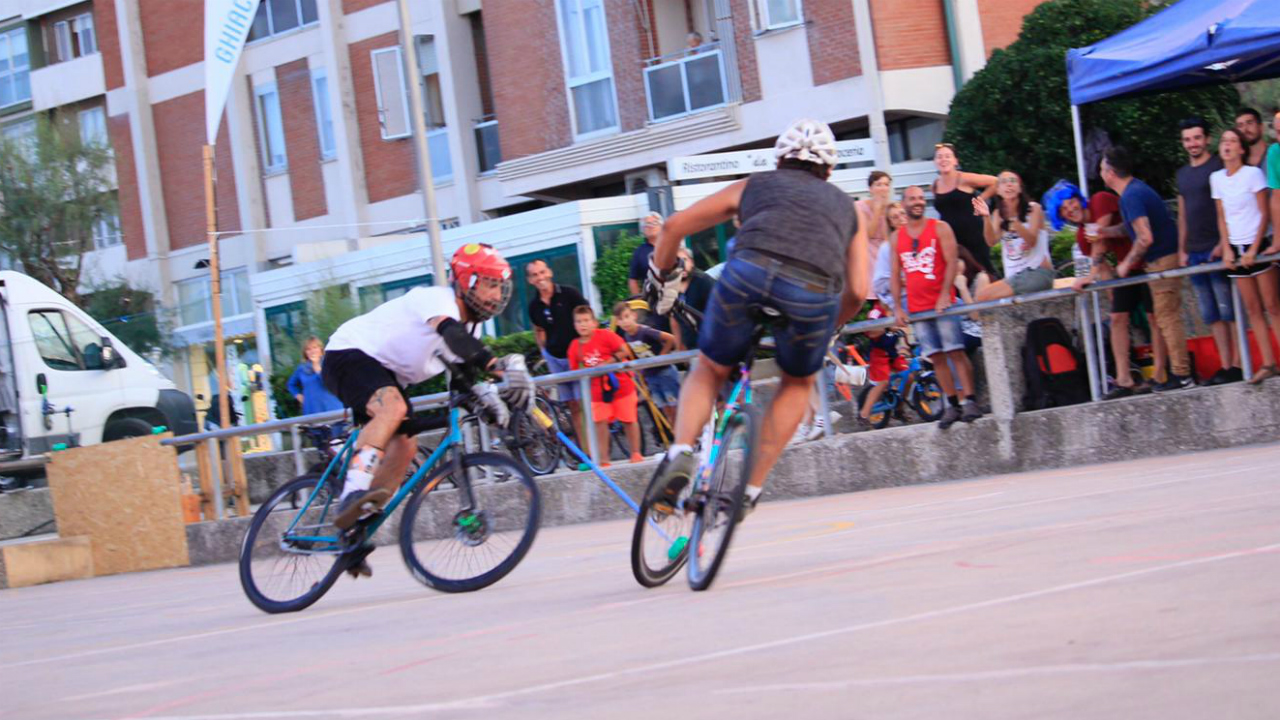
1058	194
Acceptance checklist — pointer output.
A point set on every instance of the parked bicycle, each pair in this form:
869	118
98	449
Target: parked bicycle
470	537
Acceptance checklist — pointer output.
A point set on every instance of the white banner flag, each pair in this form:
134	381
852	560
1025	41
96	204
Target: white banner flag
226	26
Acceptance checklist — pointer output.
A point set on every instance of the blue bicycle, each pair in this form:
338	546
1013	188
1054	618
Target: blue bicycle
479	527
915	386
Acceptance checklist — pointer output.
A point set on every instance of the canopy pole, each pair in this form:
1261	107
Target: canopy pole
1080	169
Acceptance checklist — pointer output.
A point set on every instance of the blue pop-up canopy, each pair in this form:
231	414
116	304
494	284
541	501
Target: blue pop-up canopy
1194	42
1190	44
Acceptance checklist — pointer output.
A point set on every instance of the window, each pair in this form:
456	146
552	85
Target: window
778	13
388	84
371	296
195	297
23	135
270	129
563	262
93	126
324	114
914	138
584	40
64	341
74	38
277	16
15	67
106	231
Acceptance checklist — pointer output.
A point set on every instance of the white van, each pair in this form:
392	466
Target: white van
53	356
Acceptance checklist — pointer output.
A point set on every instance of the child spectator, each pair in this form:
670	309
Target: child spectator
613	396
663	382
883	361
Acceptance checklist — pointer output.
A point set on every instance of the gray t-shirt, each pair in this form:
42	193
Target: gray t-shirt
1198	205
794	214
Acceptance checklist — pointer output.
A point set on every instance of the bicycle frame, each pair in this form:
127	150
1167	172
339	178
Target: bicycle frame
451	439
739	396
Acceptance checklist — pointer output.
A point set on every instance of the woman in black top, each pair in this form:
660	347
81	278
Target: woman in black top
953	194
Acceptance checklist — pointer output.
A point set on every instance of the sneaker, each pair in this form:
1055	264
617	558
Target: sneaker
1119	391
673	476
819	427
802	434
949	417
969	411
359	505
358	566
1218	378
860	423
1175	382
748	506
1235	374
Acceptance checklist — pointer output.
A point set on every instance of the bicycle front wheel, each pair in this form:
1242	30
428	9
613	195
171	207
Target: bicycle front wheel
720	498
660	541
537	446
471	535
291	556
880	413
927	398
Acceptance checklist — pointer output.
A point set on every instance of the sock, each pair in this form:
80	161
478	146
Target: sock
676	449
360	473
753	492
955	402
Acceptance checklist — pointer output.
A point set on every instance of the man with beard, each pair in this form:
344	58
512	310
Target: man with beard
1249	123
551	313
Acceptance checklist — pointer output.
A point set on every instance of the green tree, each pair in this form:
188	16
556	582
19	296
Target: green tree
611	269
53	189
1016	114
129	314
325	310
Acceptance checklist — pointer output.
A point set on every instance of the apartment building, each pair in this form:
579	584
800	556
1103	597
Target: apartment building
547	120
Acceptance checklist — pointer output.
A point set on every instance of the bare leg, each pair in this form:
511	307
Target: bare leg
1251	298
1223	332
965	369
942	371
698	395
1120	349
995	291
575	409
602	441
873	397
633	436
399	453
1269	289
780	423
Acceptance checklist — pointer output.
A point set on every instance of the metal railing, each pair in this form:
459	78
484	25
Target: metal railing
1088	310
686	82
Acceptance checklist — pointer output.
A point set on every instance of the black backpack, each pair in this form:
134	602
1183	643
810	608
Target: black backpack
1054	369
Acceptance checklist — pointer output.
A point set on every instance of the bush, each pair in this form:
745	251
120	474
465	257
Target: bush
1016	114
130	315
611	269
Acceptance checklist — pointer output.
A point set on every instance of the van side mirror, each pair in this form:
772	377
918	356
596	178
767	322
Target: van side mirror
110	358
42	384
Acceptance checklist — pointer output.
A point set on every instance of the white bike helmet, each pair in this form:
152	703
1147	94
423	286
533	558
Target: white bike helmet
808	141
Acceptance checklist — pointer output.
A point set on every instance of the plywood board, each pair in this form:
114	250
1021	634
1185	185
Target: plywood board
126	497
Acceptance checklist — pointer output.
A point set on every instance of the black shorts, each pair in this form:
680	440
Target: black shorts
354	377
1253	270
1131	297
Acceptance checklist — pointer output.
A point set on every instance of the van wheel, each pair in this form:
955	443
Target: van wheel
126	428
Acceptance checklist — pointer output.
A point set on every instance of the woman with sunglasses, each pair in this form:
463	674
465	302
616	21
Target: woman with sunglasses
953	195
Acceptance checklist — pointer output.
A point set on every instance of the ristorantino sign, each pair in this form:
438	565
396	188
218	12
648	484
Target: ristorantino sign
744	162
226	26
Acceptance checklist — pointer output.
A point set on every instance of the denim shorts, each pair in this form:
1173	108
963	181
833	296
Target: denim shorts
939	335
565	391
809	306
664	386
1213	291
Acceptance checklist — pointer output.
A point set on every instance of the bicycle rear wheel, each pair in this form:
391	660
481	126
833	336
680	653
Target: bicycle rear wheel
456	545
283	569
881	412
537	446
660	541
721	498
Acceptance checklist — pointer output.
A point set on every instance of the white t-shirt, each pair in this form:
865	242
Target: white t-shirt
1017	257
397	334
1239	196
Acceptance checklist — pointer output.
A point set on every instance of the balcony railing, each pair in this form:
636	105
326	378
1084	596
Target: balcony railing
684	83
487	148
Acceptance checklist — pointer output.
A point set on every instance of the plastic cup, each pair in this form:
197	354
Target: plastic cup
1091	230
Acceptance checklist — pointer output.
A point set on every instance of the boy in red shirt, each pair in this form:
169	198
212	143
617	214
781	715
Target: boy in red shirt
613	396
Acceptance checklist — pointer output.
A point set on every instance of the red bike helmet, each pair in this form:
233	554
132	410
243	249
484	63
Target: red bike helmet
470	264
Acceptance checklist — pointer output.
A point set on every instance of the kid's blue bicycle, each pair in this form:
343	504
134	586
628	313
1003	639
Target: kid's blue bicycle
916	386
477	529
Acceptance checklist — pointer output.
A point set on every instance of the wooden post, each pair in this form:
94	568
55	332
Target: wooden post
239	482
205	467
215	274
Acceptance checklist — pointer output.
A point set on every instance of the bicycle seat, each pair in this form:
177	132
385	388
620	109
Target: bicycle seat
765	314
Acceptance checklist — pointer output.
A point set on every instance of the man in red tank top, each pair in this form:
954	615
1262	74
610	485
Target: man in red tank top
925	258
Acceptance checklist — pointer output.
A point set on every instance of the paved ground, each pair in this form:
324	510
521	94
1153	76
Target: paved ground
1145	589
